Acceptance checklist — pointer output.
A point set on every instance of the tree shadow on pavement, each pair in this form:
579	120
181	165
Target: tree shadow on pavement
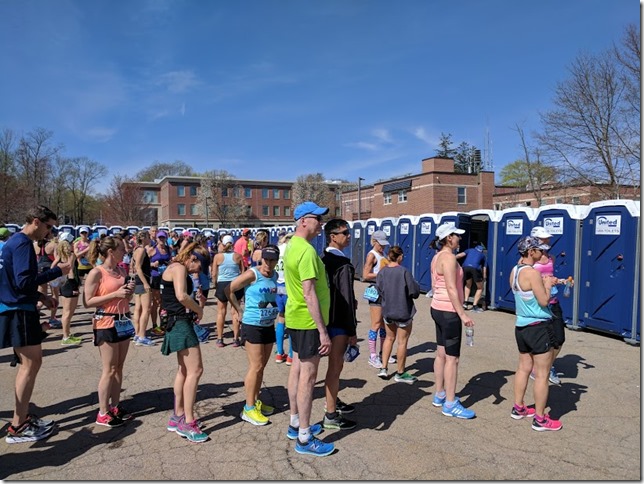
485	385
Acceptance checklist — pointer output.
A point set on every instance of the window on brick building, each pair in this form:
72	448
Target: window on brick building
575	200
248	192
559	200
387	198
287	194
181	191
402	196
193	191
276	193
287	211
264	192
265	210
461	195
181	209
276	211
193	209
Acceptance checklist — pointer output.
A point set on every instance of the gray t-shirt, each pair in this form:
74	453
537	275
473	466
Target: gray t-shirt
398	289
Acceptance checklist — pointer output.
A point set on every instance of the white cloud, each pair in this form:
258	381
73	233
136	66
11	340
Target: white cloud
100	134
423	135
383	135
178	81
363	145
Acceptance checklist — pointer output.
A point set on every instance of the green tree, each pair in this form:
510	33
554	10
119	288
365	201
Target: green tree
445	147
159	169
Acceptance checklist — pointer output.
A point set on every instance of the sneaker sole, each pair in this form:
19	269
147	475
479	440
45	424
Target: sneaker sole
251	421
11	439
409	382
458	416
437	404
545	429
338	427
171	429
192	439
375	365
110	426
317	454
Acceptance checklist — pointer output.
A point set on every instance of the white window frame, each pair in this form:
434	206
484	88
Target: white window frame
386	197
458	195
181	207
402	196
181	191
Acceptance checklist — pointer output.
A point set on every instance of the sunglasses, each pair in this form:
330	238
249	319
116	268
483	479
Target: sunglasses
344	232
49	226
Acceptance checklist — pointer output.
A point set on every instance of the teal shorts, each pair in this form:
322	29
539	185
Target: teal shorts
181	337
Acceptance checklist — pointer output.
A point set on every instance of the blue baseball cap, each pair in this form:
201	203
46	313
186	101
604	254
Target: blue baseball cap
309	208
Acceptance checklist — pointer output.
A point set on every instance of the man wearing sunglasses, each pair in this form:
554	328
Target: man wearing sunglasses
307	315
19	319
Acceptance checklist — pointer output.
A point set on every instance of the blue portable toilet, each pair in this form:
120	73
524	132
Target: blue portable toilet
424	233
484	225
405	232
164	228
70	229
13	228
357	246
610	271
132	229
95	229
564	223
388	226
114	229
274	235
194	231
515	223
371	225
178	230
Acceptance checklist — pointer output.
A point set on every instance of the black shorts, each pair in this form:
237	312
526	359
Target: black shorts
535	339
449	331
155	283
70	288
472	273
558	325
221	294
83	272
304	342
20	328
108	335
258	335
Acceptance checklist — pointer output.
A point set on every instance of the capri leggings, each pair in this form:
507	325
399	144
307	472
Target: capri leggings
449	330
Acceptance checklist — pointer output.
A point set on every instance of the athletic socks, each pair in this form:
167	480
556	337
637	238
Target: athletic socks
304	435
295	421
279	337
373	336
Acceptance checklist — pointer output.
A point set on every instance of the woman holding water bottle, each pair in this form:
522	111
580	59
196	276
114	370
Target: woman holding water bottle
107	291
450	317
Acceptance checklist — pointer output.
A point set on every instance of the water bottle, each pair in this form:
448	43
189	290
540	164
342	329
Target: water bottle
469	335
567	287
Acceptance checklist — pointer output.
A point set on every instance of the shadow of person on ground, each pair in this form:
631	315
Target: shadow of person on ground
484	385
427	347
569	365
563	399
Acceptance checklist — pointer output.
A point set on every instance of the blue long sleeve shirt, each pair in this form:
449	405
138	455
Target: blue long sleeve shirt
19	278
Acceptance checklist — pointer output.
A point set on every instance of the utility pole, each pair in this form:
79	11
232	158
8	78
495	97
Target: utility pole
360	179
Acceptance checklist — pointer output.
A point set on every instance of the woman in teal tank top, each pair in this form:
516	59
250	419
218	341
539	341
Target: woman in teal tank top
258	328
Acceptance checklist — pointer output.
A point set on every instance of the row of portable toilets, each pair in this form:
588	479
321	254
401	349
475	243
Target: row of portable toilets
597	244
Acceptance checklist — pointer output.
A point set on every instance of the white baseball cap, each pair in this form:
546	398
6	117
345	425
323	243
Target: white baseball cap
227	239
540	233
66	236
446	229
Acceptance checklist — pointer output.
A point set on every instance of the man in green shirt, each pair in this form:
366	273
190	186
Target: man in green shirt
307	315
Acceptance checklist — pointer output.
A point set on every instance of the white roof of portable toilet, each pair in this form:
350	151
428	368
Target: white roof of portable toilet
577	212
633	206
494	215
529	211
412	218
393	220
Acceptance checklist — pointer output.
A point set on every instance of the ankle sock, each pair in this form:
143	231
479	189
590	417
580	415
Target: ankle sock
247	408
373	335
332	415
295	421
304	435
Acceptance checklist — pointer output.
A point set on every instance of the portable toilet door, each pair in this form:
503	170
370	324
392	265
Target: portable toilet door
388	226
371	225
405	239
484	226
357	246
114	229
132	229
610	271
194	231
70	229
13	228
178	231
515	223
164	228
274	235
425	230
563	222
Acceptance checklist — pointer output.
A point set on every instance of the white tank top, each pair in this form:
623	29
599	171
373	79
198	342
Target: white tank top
377	266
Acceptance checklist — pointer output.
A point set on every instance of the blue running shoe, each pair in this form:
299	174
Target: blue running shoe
292	432
457	410
144	342
438	401
314	447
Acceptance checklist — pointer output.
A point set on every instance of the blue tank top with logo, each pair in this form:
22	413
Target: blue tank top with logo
228	269
261	309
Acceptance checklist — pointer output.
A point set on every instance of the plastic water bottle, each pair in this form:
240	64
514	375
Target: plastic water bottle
469	335
567	287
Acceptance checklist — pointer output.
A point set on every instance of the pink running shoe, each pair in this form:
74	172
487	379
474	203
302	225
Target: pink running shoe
546	423
518	413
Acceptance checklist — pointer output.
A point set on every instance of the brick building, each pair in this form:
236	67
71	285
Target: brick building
174	201
438	188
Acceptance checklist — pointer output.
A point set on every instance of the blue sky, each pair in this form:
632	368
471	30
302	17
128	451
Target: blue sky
274	89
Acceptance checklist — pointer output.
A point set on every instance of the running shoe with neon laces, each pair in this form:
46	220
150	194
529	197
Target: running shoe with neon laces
254	416
265	409
108	420
191	431
145	342
457	410
157	331
518	413
546	423
405	378
293	432
289	361
339	423
439	400
314	447
374	360
27	432
553	377
121	413
71	341
280	358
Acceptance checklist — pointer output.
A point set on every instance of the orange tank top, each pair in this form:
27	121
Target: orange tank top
440	300
108	284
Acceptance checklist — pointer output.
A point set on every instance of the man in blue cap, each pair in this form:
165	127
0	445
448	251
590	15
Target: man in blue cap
307	315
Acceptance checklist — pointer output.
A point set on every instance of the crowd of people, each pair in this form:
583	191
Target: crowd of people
277	294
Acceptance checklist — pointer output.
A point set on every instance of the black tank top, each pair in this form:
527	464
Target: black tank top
169	300
145	267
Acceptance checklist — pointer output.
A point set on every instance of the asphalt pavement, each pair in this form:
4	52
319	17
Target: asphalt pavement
399	436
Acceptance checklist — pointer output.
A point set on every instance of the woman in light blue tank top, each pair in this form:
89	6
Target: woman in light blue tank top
258	328
226	266
534	334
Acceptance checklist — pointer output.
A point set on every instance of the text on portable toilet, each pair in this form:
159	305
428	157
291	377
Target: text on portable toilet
554	225
608	224
514	226
426	228
404	228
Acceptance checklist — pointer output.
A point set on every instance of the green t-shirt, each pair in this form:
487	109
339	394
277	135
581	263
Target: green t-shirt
301	262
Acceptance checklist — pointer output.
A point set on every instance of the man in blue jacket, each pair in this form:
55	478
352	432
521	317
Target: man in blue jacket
19	318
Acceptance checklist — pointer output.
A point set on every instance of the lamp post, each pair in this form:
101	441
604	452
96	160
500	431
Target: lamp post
360	179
